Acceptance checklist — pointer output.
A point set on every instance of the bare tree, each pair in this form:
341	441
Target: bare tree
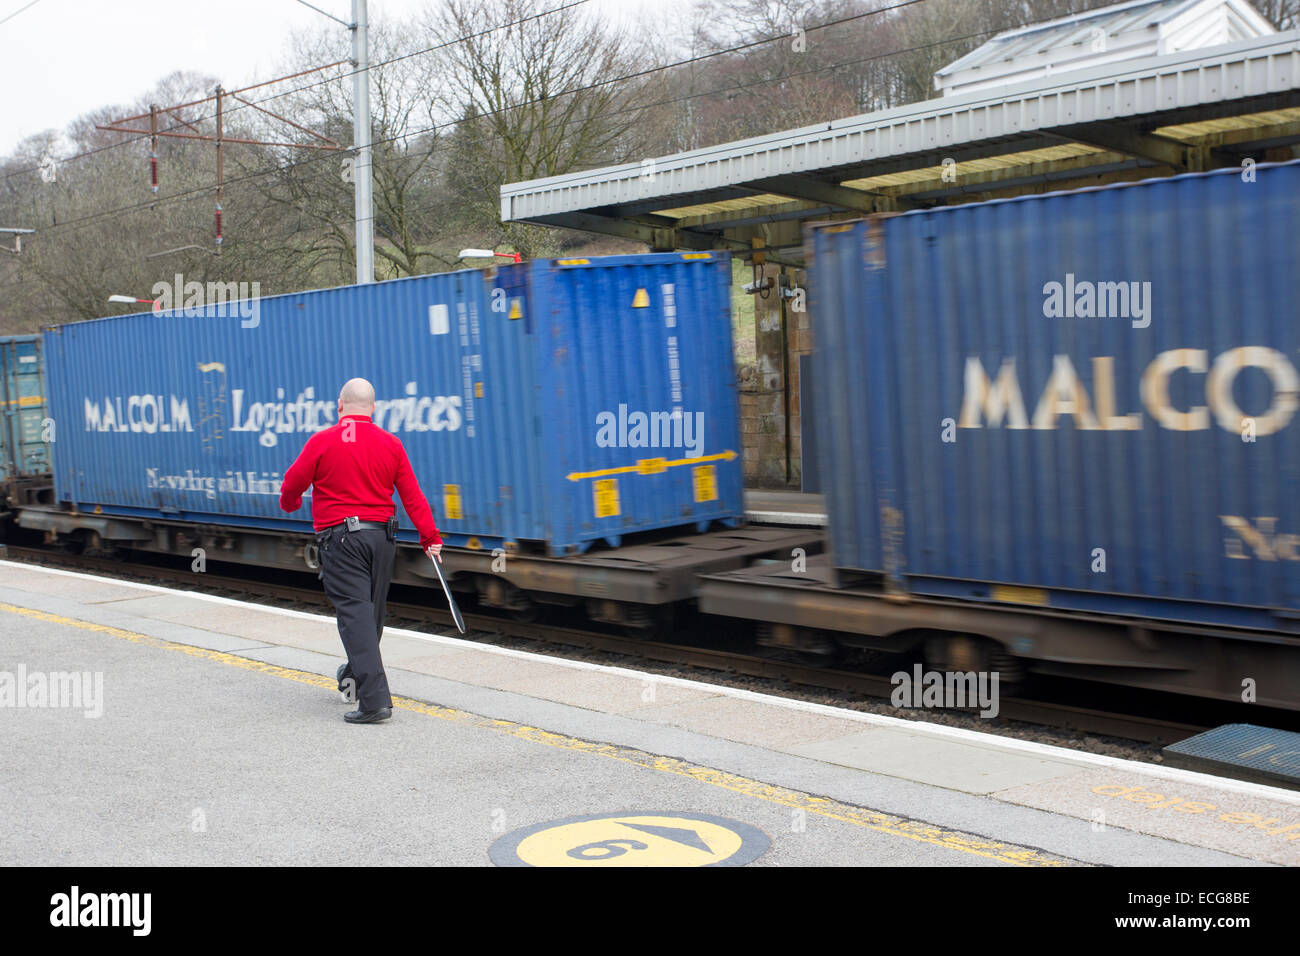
102	231
534	99
1283	14
834	58
933	34
793	70
317	191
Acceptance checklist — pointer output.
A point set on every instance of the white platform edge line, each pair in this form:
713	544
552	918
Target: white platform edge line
797	518
921	728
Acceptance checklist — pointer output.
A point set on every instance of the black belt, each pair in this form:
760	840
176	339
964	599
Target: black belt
354	524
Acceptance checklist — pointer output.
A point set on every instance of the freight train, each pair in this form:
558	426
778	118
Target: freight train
574	422
1057	435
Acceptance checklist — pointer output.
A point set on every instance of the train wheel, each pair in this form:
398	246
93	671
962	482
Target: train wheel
951	652
946	652
499	593
527	614
810	646
649	622
831	656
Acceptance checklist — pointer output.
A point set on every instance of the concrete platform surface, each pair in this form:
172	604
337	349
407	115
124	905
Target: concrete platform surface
798	508
145	725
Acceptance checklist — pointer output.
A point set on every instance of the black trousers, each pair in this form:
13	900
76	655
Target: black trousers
356	568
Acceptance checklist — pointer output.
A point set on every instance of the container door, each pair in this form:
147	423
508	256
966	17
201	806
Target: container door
638	392
26	452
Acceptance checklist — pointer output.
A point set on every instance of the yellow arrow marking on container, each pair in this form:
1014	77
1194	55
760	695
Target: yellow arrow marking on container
727	455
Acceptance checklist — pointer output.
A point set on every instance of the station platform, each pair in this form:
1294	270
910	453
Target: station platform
209	731
796	508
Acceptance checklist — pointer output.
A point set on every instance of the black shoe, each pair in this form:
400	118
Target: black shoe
343	669
368	716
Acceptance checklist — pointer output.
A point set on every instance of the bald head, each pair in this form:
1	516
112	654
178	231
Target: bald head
357	398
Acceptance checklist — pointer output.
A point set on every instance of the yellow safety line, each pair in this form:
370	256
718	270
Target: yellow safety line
727	455
822	806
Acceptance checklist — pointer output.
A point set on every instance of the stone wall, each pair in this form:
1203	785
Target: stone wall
769	389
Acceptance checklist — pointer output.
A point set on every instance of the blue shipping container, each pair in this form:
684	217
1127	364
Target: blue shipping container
556	401
24	447
1083	400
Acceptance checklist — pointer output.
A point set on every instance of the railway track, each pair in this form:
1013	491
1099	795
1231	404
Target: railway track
782	674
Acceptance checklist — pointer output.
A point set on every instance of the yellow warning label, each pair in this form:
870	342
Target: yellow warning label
478	389
633	839
641	300
706	483
697	255
451	502
605	493
573	262
516	309
1035	596
652	466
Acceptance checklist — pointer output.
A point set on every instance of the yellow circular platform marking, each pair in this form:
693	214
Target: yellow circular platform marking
633	839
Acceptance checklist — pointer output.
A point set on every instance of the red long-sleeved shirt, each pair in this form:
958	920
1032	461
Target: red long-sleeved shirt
356	477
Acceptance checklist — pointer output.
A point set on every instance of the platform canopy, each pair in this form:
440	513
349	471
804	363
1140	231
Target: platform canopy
1121	31
1154	116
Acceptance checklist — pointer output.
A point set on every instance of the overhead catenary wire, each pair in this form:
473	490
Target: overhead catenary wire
18	11
298	89
198	191
899	4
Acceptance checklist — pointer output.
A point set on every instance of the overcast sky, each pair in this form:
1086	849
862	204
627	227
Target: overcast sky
62	58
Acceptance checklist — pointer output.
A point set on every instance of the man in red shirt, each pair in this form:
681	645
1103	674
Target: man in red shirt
353	467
